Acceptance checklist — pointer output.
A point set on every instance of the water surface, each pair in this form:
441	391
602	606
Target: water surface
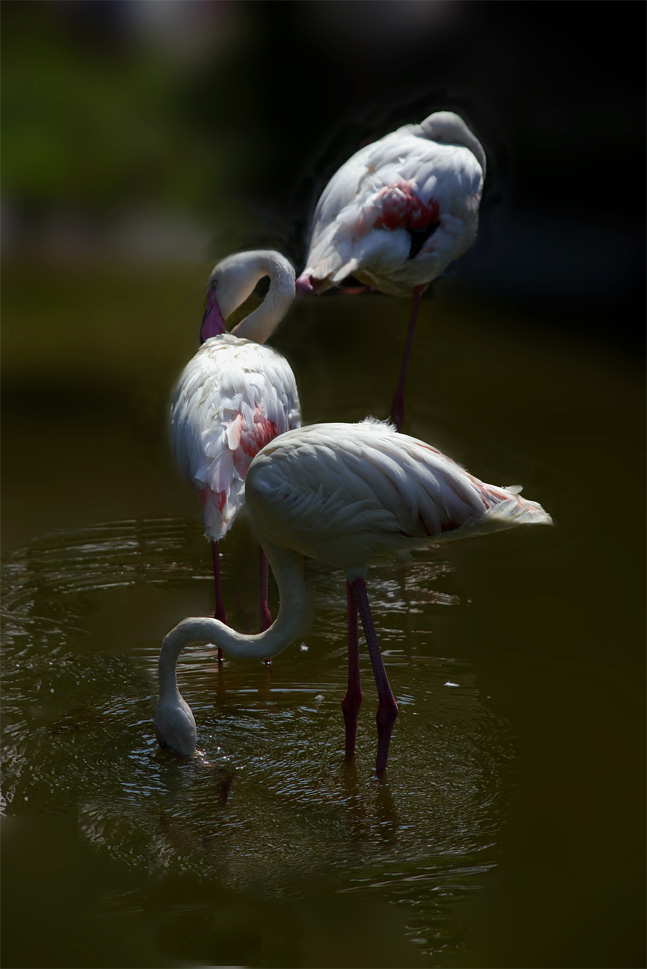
512	799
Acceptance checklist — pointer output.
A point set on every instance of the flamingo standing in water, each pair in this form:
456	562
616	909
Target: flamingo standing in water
234	396
351	495
396	214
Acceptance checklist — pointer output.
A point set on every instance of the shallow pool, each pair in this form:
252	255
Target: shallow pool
507	830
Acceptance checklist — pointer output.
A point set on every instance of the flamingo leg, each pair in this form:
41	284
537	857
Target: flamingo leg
220	612
266	615
387	709
353	698
397	405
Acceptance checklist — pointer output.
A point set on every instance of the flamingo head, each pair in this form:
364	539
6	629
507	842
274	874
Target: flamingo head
309	285
231	282
175	726
304	285
448	128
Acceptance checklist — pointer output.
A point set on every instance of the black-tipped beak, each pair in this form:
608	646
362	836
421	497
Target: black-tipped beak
213	323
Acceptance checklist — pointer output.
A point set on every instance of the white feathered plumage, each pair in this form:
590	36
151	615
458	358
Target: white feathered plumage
399	210
235	394
233	397
350	495
355	494
396	214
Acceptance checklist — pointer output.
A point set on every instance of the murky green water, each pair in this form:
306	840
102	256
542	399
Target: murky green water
508	830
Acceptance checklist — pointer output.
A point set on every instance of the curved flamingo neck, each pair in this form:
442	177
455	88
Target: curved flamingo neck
261	323
471	141
167	668
287	567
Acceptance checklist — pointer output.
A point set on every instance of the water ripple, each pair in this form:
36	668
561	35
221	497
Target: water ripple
272	801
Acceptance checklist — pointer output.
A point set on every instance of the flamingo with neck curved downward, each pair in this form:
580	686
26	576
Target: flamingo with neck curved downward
396	214
234	395
351	495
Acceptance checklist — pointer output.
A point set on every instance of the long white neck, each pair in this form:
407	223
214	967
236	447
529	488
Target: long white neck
287	567
262	322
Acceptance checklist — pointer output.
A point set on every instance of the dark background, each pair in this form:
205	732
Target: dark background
235	114
143	140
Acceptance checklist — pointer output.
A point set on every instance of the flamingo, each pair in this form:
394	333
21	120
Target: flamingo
234	396
396	214
351	495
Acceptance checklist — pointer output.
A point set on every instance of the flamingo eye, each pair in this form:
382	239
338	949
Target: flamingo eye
213	284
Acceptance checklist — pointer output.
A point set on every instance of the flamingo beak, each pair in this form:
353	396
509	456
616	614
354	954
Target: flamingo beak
304	285
308	285
213	323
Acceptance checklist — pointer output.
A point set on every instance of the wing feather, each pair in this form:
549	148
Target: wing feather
351	494
232	396
345	238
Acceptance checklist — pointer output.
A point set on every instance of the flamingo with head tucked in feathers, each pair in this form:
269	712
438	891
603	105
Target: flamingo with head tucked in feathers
351	495
234	395
396	214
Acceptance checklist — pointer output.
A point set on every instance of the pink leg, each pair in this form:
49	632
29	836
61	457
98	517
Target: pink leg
397	406
387	709
266	615
353	698
220	612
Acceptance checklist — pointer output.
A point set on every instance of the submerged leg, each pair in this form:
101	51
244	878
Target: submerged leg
387	709
220	612
353	698
397	406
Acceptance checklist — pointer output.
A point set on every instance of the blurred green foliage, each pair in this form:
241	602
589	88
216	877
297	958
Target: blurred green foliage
98	118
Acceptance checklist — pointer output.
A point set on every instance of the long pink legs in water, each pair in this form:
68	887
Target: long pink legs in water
353	697
266	615
397	406
387	709
221	612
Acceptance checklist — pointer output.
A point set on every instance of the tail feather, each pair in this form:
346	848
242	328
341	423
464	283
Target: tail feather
517	511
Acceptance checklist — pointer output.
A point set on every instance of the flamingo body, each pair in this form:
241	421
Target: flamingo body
351	495
235	394
233	397
355	495
400	209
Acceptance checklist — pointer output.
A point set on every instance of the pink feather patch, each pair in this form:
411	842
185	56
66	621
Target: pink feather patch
403	209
